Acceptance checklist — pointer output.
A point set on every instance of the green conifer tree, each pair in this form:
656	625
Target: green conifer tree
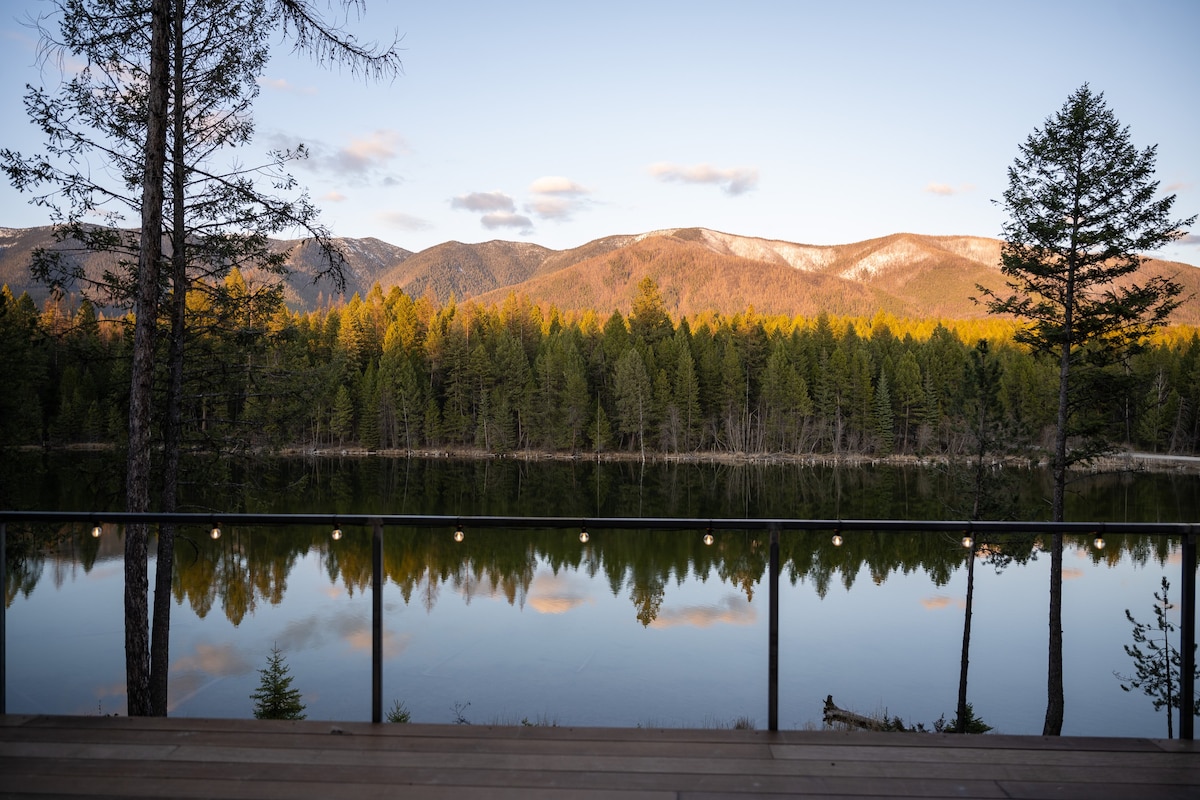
275	697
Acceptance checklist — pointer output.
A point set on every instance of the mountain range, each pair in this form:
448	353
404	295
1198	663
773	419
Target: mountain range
696	269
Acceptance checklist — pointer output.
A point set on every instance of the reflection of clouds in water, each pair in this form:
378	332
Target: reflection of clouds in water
1071	573
939	601
393	645
105	573
347	625
192	674
216	660
733	609
557	594
314	630
114	690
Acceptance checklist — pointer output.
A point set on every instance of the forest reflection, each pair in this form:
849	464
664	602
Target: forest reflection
250	566
247	566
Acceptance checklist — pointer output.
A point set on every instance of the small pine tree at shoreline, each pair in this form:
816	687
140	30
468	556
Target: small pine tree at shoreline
275	697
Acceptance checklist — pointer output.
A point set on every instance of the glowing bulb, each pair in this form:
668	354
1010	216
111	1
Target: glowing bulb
337	534
968	541
1098	543
216	532
96	532
837	540
708	539
583	536
459	535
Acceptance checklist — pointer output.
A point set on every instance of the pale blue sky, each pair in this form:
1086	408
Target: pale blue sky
813	122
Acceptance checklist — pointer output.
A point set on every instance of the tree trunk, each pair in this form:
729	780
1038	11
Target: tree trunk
832	714
160	633
137	480
1053	726
966	644
1054	671
1054	668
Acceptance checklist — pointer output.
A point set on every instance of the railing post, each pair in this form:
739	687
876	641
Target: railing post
376	620
773	635
3	615
1187	689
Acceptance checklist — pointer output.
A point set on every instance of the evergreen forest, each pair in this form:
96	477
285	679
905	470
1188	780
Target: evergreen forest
390	372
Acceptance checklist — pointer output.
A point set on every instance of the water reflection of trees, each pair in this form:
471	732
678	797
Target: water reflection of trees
246	567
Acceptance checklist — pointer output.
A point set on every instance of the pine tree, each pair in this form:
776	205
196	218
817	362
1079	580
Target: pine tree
341	421
1158	667
1082	209
884	418
275	697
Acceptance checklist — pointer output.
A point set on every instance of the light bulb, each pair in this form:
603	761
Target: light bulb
837	540
708	539
215	533
96	532
583	536
459	535
1098	543
968	541
337	534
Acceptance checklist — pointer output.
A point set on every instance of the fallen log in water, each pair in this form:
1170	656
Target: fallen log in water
833	715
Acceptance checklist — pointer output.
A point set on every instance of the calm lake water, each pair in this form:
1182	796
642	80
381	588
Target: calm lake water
646	628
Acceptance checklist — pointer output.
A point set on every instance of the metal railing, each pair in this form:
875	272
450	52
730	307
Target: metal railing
1186	532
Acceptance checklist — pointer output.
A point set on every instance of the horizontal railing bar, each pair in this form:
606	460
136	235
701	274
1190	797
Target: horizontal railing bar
609	523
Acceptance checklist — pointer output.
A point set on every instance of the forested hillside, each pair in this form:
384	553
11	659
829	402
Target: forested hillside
392	371
697	271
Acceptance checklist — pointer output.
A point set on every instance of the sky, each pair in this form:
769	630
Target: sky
811	122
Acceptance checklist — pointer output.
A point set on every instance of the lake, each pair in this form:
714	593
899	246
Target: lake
650	628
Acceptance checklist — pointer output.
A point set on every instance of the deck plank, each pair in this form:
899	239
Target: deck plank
98	757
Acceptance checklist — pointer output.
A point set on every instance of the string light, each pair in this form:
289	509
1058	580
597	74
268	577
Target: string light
837	540
458	534
968	542
215	533
96	531
583	535
1098	543
337	534
708	537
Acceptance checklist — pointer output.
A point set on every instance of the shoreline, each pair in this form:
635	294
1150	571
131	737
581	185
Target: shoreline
1116	462
1125	461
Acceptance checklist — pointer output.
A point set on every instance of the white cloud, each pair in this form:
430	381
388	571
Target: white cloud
553	207
402	221
732	180
484	201
374	149
946	190
507	219
556	184
556	197
1190	238
333	196
362	158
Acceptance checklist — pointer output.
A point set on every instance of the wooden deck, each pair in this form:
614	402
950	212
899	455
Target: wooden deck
113	757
